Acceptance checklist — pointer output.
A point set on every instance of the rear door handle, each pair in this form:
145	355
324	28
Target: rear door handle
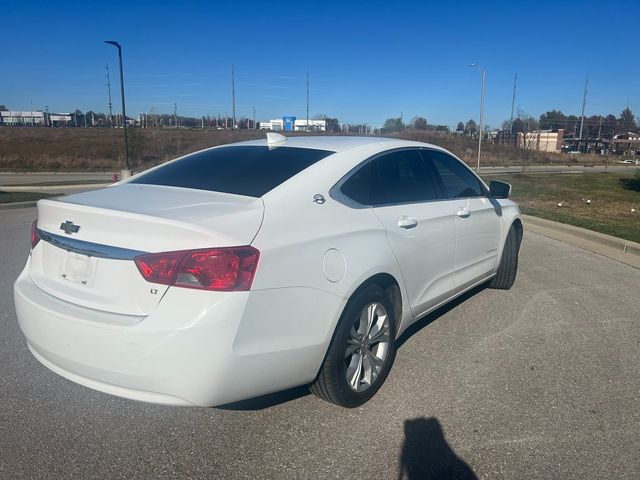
463	212
407	222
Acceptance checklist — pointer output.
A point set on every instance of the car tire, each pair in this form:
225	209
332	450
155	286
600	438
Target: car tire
506	274
361	354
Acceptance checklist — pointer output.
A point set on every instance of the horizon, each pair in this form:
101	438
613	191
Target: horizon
366	64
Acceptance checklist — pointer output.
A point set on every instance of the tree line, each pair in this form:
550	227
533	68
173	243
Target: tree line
594	126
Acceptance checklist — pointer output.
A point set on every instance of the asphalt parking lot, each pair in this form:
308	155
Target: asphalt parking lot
542	381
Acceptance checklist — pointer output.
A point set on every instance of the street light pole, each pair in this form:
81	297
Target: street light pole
483	74
124	114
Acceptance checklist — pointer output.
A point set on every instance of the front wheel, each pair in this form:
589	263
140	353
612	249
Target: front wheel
361	352
506	274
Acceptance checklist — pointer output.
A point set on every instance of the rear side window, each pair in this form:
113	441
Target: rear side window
458	180
402	177
243	170
358	187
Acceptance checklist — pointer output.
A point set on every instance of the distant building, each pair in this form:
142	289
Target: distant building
294	124
314	125
21	118
502	137
59	119
541	140
628	143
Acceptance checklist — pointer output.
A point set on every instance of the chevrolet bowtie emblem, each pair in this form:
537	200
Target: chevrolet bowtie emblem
69	227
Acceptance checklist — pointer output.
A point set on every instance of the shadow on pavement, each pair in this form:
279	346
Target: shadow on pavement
426	455
273	399
433	316
269	400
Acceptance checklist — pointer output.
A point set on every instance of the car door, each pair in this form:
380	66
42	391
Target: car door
408	200
477	219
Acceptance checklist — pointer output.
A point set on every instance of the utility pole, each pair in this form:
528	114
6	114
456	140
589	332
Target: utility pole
483	74
109	91
307	127
233	96
513	103
600	128
175	114
127	172
254	117
584	104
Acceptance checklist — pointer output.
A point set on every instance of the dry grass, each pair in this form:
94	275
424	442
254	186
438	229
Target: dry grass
52	149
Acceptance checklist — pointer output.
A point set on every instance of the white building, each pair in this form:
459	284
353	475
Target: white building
59	119
314	125
274	125
300	125
22	118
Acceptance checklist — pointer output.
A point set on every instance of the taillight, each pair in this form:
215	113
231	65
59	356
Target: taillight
35	238
226	269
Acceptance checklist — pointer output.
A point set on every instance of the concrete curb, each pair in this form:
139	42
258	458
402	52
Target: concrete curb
619	249
14	205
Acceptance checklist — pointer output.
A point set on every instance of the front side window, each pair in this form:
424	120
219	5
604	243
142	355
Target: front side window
402	177
457	179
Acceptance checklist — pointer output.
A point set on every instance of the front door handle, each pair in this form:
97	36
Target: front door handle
463	212
407	222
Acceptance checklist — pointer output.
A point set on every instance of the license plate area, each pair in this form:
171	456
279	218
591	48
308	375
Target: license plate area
78	269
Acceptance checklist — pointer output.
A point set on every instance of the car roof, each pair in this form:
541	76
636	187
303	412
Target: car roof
336	143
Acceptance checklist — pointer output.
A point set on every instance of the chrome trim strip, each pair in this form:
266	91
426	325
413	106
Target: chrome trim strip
89	248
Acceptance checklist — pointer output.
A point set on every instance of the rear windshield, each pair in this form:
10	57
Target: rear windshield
244	170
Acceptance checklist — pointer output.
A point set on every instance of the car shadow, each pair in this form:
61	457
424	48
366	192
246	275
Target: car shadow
439	312
269	400
426	455
273	399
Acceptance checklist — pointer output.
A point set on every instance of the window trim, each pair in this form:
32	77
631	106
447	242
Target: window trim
336	191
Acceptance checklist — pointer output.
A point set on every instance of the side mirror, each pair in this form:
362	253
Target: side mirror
499	189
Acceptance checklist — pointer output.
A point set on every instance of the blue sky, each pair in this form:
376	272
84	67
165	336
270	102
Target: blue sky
368	61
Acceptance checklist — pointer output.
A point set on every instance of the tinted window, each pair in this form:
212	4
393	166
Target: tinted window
246	170
458	180
402	177
358	186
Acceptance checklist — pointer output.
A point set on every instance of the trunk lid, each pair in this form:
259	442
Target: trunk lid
89	239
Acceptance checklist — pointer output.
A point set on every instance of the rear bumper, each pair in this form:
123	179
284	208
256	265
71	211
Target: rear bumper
195	348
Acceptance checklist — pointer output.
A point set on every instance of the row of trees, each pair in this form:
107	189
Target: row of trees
417	123
594	126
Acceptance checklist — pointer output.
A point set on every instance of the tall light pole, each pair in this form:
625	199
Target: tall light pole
483	74
124	114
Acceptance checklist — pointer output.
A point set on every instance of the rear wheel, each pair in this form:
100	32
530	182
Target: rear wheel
508	268
361	352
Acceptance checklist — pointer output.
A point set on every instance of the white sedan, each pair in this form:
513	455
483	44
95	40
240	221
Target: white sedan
250	268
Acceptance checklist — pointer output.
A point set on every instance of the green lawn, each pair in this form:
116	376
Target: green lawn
9	197
612	196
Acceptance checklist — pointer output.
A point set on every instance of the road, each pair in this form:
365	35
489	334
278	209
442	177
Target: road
541	381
